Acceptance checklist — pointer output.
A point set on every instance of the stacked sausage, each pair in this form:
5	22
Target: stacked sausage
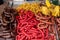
58	25
8	23
35	26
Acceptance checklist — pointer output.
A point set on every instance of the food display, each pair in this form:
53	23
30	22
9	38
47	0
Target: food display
37	21
31	21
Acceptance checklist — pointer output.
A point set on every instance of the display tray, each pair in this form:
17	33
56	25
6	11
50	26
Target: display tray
17	3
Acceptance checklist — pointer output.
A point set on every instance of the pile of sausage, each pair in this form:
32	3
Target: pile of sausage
58	25
35	26
8	23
